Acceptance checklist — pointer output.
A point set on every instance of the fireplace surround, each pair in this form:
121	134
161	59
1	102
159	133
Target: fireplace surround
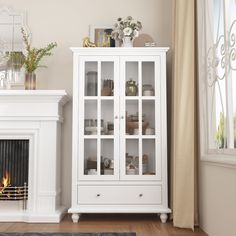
32	119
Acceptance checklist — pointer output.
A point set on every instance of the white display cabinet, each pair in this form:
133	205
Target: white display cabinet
119	131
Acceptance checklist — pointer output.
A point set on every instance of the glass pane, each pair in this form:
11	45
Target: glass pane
234	104
132	117
90	117
131	85
218	108
149	157
132	157
232	21
148	79
148	109
90	157
216	84
107	76
91	79
107	157
107	117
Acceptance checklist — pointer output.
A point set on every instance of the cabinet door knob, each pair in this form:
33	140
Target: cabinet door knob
116	117
122	117
140	195
98	195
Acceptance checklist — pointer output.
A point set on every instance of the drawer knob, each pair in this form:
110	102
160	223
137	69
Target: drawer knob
98	195
140	195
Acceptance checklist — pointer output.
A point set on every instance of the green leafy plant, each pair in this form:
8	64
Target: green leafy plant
220	136
33	56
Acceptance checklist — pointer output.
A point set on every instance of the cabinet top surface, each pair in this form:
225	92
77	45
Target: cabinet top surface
120	50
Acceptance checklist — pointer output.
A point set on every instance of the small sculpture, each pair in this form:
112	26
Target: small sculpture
87	43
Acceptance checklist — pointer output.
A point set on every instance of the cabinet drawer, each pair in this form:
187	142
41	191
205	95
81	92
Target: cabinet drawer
119	195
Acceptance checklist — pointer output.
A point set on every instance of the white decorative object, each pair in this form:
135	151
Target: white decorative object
92	172
140	188
11	40
148	93
127	42
149	131
37	117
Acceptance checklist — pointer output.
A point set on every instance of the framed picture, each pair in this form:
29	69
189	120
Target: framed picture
101	35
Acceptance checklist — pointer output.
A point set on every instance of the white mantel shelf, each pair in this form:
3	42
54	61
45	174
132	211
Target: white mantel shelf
37	95
32	104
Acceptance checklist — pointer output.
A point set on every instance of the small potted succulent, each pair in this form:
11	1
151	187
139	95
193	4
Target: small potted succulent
126	30
32	59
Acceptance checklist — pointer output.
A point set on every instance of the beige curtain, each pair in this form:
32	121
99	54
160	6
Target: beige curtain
183	117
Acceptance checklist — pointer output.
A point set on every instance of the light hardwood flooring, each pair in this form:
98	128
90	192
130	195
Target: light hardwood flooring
142	224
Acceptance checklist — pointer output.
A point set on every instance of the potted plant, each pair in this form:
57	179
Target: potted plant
126	30
32	59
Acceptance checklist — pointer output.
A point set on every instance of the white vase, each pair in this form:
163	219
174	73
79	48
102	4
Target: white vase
127	42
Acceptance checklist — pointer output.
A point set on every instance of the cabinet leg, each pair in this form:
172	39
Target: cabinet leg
163	217
75	217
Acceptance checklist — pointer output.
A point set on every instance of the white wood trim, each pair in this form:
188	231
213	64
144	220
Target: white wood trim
122	122
119	209
75	140
99	119
116	109
119	51
140	110
34	96
120	56
80	118
163	137
222	160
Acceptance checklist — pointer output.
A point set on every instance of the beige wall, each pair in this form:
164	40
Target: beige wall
217	200
67	22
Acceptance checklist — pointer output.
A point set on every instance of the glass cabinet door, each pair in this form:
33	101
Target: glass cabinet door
140	127
99	123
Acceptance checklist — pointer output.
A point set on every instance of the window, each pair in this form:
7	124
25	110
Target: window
217	79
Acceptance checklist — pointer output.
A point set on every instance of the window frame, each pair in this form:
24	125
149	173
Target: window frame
226	156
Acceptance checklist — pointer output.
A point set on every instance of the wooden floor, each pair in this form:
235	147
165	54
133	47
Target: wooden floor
143	225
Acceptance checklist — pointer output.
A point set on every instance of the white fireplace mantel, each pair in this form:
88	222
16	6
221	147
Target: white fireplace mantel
32	104
35	115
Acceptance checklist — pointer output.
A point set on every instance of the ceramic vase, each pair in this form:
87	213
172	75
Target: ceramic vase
127	42
30	81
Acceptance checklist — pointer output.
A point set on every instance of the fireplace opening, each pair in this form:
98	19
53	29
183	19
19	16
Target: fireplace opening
14	170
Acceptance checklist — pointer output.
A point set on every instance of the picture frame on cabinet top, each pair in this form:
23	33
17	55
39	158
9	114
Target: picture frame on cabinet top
101	35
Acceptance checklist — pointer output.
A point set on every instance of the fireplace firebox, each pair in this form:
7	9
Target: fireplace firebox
14	170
